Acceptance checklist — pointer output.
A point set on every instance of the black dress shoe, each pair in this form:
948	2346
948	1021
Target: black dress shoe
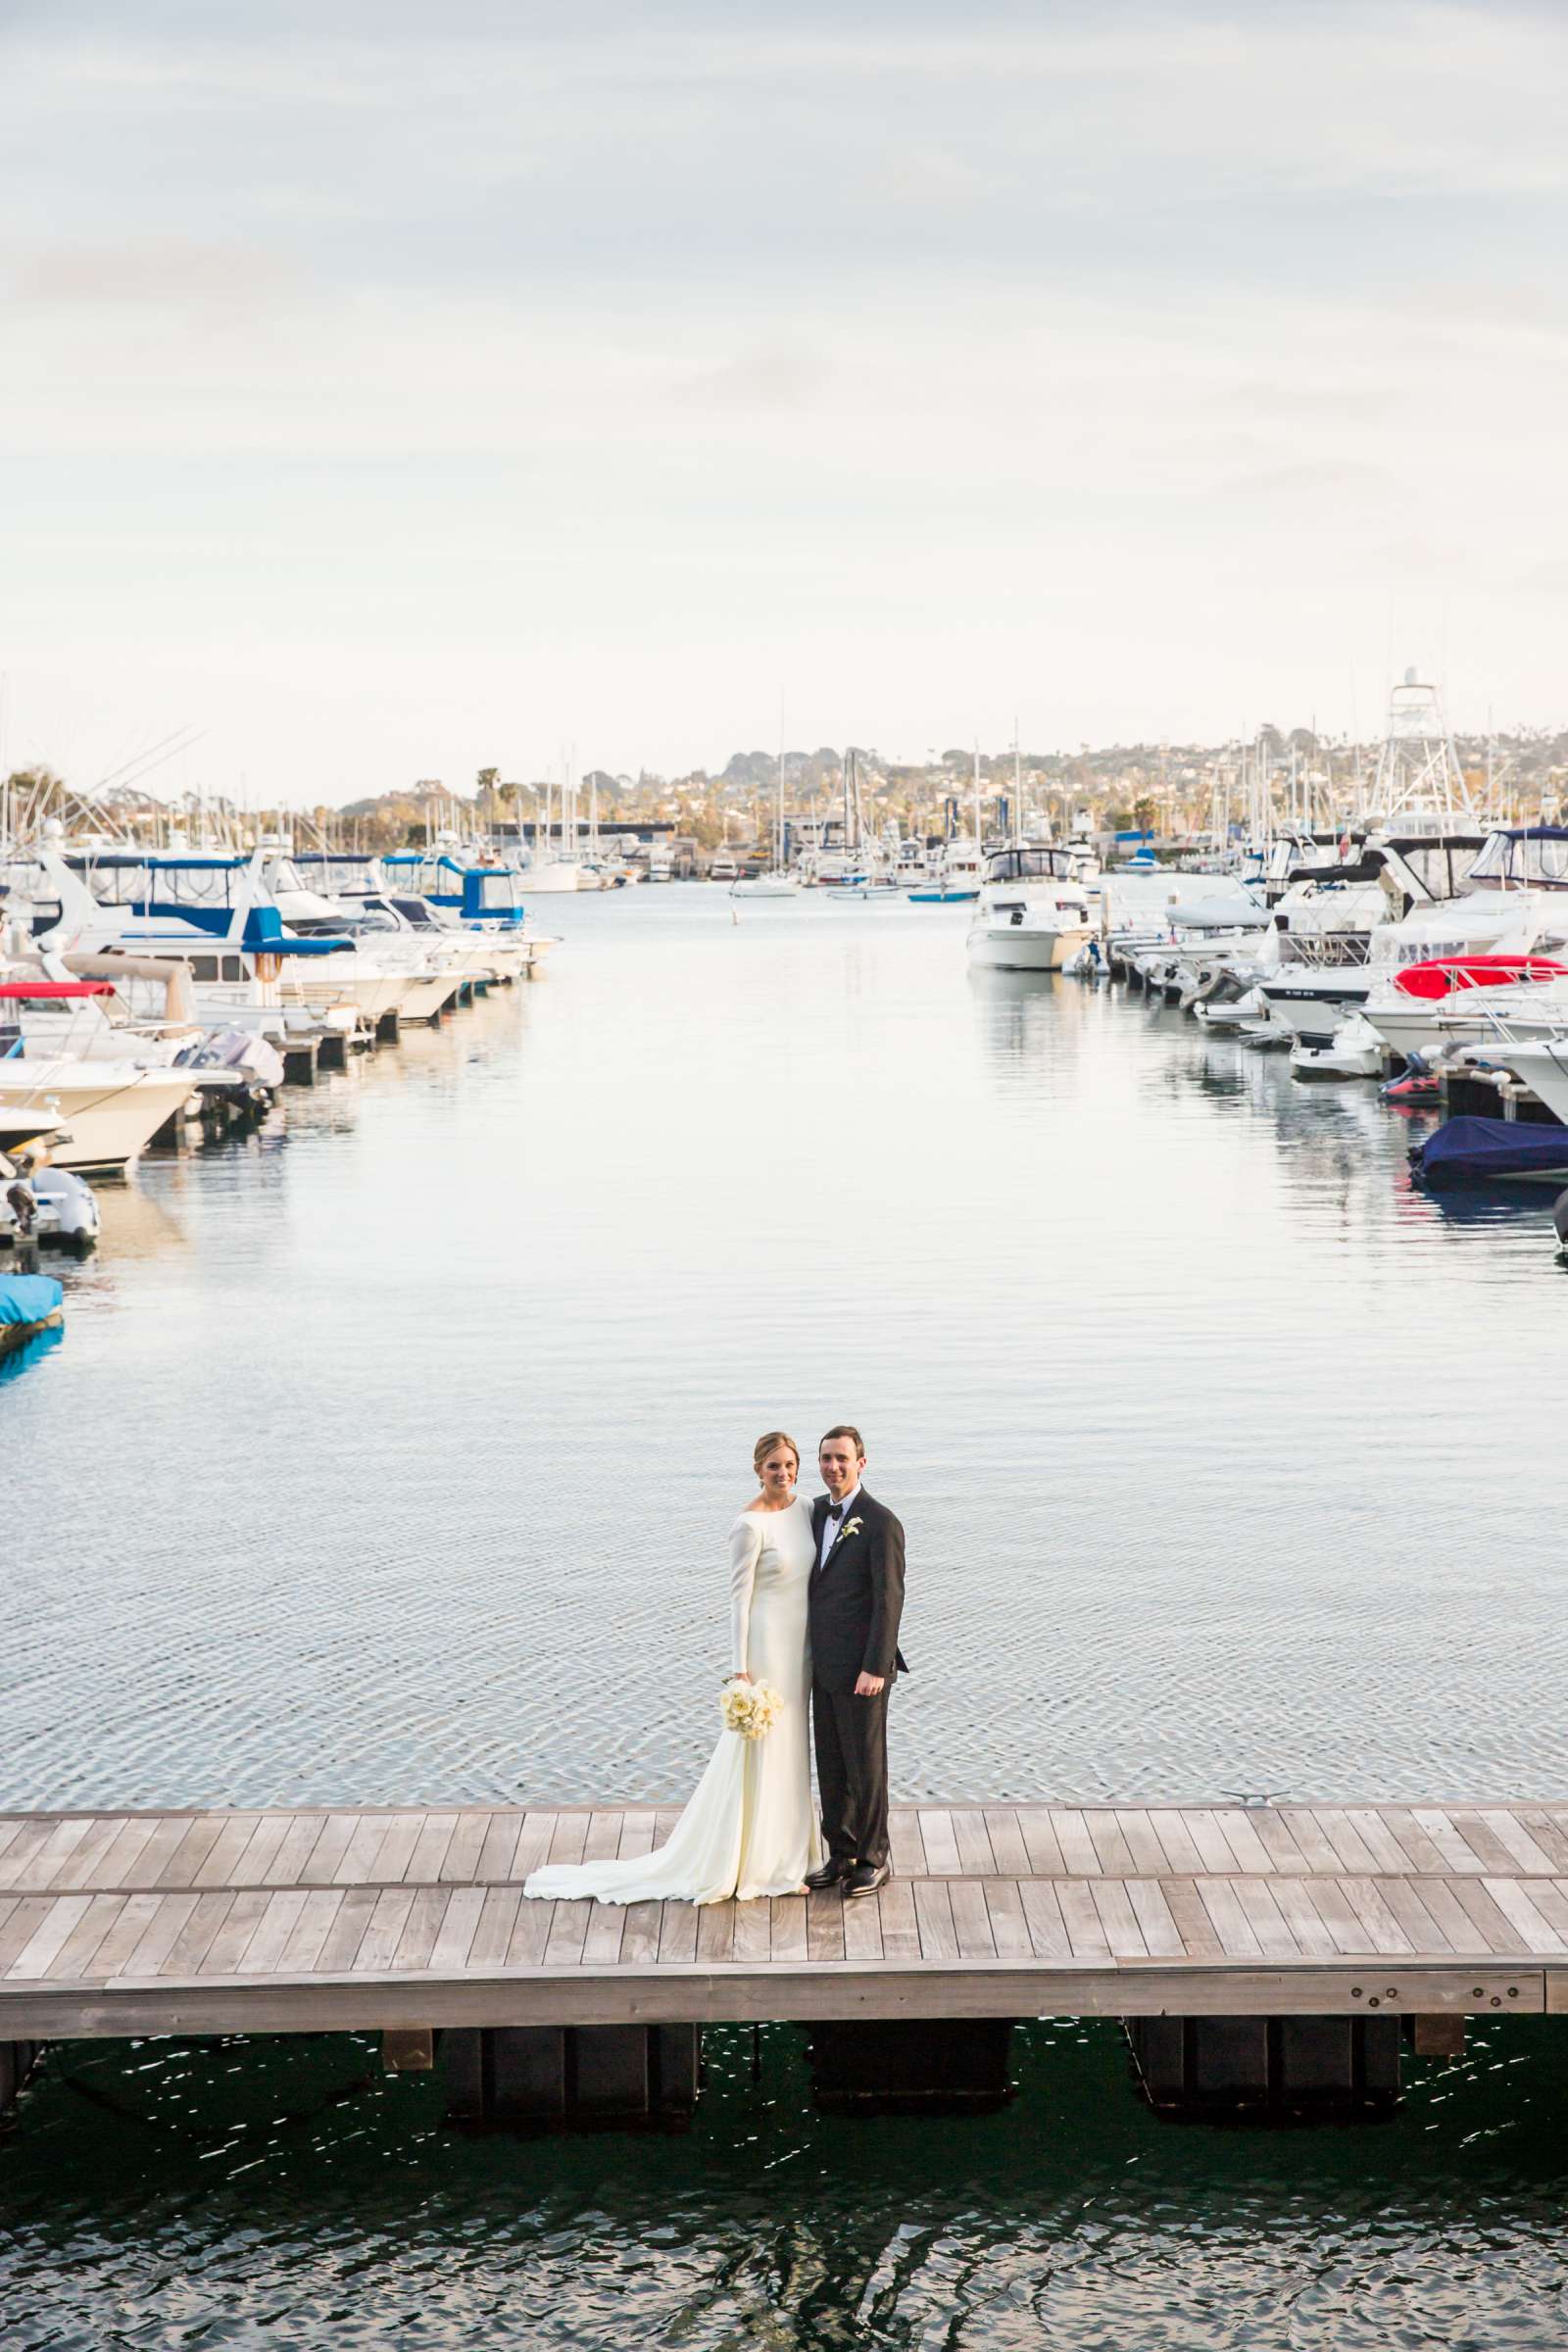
828	1876
866	1877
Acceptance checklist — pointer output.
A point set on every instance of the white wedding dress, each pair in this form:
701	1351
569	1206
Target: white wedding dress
749	1827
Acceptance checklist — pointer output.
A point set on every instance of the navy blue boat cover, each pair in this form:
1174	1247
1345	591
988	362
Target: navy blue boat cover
1464	1149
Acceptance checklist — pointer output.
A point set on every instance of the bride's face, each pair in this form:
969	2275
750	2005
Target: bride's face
779	1472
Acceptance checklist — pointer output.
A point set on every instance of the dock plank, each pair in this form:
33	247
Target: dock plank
1182	1857
1142	1844
1162	1937
1119	1920
1040	1841
789	1927
436	1835
906	1841
66	1912
1085	1930
1273	1832
225	1954
933	1915
497	1917
1007	1841
75	1955
1276	1940
1198	1934
971	1919
84	1856
327	1856
752	1932
644	1920
677	1937
195	1939
1235	1824
461	1925
975	1852
1009	1930
1237	1936
862	1927
568	1930
341	1949
825	1923
938	1836
1041	1911
1079	1859
1111	1850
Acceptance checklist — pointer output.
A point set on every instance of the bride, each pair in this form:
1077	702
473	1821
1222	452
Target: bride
749	1827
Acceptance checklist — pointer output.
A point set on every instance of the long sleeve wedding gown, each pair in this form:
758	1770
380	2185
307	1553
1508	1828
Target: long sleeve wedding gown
749	1827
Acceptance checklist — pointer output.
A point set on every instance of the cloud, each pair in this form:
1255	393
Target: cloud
1112	363
153	274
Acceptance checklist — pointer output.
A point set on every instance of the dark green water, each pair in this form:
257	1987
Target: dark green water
236	2197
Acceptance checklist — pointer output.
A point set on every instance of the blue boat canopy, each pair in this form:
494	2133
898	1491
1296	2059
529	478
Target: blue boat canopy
1472	1150
29	1297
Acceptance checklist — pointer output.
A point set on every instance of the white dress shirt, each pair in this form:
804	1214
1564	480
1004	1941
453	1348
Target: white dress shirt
832	1529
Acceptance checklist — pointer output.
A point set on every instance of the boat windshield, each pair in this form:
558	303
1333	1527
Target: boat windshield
1029	865
1528	858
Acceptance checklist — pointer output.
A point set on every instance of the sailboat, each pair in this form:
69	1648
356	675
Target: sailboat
776	883
866	874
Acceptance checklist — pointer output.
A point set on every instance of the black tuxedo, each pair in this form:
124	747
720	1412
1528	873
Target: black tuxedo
855	1604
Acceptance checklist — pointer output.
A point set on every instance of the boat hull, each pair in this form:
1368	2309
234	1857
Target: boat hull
1311	1010
1019	947
108	1115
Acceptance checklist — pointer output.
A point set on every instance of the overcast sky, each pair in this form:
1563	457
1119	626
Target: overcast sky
392	390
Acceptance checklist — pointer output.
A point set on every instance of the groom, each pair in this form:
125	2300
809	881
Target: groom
855	1600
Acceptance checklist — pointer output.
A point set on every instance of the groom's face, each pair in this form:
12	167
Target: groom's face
838	1464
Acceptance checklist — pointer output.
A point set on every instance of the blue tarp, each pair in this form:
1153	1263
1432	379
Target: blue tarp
1470	1150
29	1297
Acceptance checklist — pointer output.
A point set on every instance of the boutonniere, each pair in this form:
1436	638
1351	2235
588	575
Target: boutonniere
852	1527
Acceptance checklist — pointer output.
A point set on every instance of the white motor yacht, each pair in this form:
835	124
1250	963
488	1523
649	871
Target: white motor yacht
106	1111
389	968
1515	905
1031	914
483	900
1332	918
182	938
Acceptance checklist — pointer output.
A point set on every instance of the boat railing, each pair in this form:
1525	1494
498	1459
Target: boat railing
1333	950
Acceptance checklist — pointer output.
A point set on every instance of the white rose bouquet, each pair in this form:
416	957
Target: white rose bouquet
749	1708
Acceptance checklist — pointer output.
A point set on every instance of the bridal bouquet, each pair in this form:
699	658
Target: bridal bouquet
749	1708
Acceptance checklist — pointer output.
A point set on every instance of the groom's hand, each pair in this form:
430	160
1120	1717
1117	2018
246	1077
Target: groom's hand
868	1686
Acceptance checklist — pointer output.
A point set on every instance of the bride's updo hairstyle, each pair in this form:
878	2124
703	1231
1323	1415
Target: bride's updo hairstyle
764	1446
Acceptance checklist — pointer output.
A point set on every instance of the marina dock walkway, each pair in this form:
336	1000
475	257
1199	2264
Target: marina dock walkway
309	1920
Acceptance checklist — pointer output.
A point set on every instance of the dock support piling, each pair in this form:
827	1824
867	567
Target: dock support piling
17	2061
1272	2068
1440	2036
572	2078
911	2065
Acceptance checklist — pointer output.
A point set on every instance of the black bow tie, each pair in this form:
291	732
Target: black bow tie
835	1510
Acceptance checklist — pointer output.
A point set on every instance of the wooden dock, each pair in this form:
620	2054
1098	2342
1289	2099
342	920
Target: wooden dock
308	1920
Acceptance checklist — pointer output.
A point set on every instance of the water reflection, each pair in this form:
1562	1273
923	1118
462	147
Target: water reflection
298	2188
31	1355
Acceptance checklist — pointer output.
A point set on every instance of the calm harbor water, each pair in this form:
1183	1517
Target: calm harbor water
388	1454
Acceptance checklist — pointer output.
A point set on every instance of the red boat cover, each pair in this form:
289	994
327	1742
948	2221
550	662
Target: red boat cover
1446	973
14	989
